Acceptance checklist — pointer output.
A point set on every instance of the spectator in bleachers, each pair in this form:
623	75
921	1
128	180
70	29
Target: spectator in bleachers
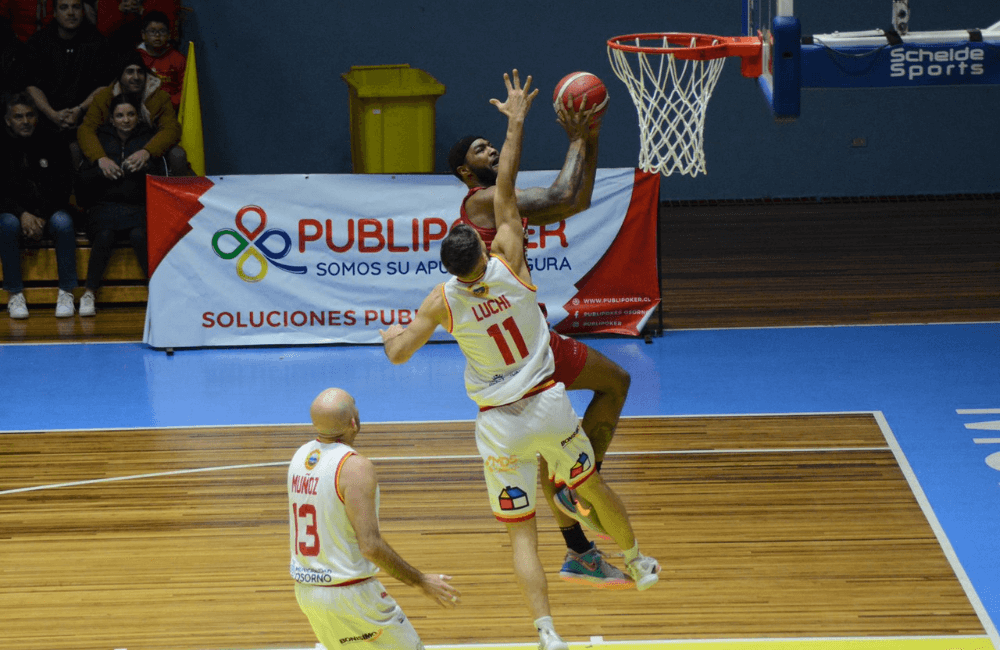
126	33
157	112
36	181
26	16
161	56
69	62
116	184
13	61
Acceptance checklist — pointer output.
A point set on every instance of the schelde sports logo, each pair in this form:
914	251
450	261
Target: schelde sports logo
258	251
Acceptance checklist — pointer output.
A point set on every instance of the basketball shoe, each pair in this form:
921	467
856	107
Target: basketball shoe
592	569
566	502
549	640
645	571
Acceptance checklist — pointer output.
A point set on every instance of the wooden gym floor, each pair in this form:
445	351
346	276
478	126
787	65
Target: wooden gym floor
796	526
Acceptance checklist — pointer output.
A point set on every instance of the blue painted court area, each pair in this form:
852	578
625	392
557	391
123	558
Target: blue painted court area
936	386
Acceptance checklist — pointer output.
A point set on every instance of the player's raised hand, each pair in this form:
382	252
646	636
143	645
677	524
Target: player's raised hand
578	123
518	99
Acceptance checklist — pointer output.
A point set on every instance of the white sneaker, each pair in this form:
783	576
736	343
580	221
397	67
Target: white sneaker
64	305
549	640
17	307
644	570
87	304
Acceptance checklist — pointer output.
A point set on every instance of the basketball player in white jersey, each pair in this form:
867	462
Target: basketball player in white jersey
491	309
336	546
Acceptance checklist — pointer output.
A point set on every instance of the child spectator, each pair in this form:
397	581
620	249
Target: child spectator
161	56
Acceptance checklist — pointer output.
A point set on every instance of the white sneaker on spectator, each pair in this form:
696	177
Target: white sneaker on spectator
64	305
17	307
87	304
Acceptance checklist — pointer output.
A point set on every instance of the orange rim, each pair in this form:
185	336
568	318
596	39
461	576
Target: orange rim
683	45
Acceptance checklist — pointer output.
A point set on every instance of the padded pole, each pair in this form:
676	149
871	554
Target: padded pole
786	61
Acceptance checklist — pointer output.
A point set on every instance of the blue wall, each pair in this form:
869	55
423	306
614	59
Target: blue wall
273	100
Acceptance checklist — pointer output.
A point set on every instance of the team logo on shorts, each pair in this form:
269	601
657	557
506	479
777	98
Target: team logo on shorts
513	498
582	465
312	459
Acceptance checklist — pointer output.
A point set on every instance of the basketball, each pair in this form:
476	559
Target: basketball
570	90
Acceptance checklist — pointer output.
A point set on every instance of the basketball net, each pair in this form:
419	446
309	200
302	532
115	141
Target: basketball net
670	95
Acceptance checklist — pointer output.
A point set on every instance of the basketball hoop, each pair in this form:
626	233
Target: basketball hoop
670	77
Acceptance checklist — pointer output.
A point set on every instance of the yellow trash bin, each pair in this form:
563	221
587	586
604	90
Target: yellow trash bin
392	118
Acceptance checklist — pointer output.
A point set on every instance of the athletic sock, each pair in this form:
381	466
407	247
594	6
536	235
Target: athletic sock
576	541
632	553
545	623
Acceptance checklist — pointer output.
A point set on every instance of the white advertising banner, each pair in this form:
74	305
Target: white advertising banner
317	259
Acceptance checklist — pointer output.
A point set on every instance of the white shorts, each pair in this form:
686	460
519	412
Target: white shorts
359	616
509	439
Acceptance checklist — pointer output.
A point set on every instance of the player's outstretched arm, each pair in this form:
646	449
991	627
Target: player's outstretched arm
401	342
509	240
573	188
358	484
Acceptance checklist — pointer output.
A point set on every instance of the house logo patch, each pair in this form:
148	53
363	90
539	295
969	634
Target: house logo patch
582	466
513	498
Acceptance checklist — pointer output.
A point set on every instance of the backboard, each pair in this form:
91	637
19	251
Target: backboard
892	57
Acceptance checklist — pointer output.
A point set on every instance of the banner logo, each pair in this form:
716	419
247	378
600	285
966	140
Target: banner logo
259	251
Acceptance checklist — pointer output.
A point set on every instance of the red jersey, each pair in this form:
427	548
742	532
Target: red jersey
488	233
169	67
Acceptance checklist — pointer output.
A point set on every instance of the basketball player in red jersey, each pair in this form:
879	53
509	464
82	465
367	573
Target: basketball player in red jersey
474	161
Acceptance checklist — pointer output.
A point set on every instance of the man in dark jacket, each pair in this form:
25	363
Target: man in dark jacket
69	62
35	185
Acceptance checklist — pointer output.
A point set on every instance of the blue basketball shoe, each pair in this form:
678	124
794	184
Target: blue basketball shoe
592	569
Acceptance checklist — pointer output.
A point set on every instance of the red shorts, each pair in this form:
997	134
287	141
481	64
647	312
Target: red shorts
570	356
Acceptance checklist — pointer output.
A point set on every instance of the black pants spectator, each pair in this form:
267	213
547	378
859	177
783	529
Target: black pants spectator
111	222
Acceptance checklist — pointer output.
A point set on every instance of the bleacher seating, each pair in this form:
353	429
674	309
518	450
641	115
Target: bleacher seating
123	282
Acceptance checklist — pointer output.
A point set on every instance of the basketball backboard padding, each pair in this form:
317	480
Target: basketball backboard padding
870	59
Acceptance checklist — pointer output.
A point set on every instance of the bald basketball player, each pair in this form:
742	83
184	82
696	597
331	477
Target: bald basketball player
336	545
